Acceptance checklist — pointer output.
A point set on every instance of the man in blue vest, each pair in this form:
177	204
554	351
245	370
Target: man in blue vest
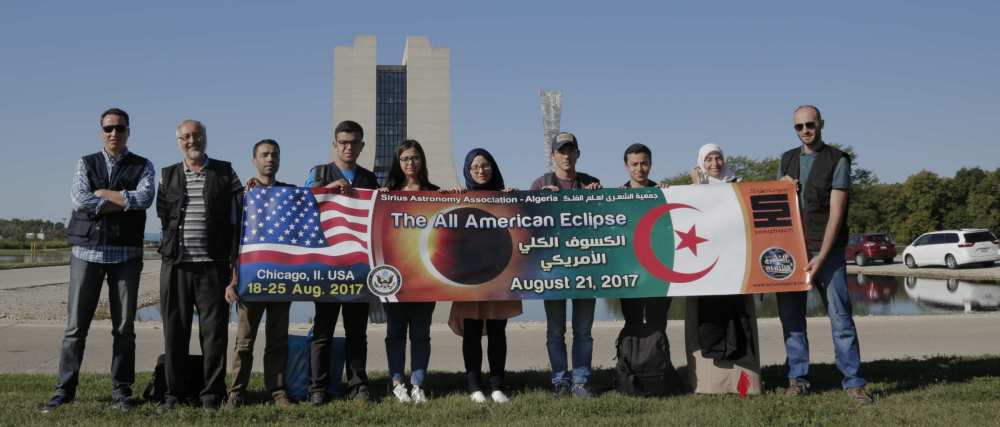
823	176
111	191
342	174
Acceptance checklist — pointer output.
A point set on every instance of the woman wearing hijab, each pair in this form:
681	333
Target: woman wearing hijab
720	332
469	319
409	173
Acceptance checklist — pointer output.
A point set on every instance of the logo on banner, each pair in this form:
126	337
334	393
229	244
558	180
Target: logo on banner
777	263
688	240
384	281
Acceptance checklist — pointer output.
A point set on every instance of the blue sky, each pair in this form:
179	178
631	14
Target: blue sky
910	85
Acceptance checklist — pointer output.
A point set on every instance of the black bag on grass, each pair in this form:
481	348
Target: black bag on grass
192	381
644	367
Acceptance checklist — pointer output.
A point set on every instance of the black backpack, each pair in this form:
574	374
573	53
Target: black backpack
644	367
192	379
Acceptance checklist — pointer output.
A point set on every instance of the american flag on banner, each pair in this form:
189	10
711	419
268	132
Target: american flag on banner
289	225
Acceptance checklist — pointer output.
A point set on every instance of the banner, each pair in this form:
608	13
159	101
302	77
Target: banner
310	245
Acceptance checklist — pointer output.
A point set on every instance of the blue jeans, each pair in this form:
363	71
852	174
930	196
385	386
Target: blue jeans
832	285
85	281
583	342
415	316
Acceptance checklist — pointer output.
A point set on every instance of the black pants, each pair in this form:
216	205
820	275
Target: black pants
185	287
355	327
651	311
472	351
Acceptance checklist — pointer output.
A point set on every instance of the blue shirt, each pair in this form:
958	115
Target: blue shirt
348	174
83	199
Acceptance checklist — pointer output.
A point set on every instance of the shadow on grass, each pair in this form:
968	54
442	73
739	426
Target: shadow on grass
890	377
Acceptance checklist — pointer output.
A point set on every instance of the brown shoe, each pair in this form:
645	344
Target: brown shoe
233	401
797	388
860	395
282	400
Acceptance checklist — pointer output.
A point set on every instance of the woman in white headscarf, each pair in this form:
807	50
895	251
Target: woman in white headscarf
711	167
720	332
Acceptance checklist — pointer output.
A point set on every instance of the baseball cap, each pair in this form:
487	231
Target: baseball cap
563	139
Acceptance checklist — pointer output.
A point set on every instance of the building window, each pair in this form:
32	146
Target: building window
390	116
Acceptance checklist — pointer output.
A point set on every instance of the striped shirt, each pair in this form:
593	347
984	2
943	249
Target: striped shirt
194	230
83	199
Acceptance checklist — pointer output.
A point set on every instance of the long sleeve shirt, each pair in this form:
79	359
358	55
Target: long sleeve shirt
84	200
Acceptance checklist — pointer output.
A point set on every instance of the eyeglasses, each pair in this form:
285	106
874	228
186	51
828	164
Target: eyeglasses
481	168
414	159
806	125
346	143
111	128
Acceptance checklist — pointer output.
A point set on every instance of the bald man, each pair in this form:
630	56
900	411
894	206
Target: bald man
823	178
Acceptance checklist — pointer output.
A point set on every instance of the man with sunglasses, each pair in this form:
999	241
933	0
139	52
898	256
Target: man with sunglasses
342	174
111	191
823	177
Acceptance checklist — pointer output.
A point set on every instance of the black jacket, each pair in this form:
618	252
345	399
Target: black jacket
220	205
89	229
817	194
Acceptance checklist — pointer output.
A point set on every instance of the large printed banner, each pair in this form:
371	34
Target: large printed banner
310	245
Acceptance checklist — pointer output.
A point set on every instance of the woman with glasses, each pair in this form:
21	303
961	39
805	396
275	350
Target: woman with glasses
409	173
471	319
720	332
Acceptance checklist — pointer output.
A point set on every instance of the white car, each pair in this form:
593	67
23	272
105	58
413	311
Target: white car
953	248
969	296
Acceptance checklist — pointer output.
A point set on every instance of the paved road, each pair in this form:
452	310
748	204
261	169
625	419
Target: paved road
32	347
39	294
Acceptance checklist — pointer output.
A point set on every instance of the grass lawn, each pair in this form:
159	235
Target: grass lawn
938	391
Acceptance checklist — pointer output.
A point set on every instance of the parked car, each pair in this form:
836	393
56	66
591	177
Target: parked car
865	247
953	248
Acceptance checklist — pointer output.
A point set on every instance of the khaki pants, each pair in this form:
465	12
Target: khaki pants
275	349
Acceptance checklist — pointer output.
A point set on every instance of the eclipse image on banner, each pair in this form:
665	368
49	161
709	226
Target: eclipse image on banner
476	246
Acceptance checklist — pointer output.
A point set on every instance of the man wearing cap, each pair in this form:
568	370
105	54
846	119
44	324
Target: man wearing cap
565	153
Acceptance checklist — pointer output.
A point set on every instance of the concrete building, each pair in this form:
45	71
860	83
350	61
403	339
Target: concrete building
397	102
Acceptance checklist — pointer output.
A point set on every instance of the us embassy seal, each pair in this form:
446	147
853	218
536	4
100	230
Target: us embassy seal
777	263
384	281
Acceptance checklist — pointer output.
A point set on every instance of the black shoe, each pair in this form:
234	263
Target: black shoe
559	390
360	394
125	404
55	402
165	407
317	398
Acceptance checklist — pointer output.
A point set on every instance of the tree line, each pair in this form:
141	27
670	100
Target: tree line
924	202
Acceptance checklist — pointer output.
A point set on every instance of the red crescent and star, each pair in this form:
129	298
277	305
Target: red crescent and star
642	245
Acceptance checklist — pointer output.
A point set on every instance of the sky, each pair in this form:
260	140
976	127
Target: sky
909	85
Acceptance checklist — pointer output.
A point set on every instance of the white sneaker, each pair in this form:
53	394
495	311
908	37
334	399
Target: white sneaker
400	392
499	397
418	395
478	397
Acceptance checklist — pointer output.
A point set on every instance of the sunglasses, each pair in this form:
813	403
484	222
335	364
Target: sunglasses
806	125
119	128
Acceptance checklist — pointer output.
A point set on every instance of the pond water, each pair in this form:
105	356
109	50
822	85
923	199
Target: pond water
871	295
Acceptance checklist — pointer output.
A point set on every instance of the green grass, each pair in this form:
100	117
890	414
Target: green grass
937	391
